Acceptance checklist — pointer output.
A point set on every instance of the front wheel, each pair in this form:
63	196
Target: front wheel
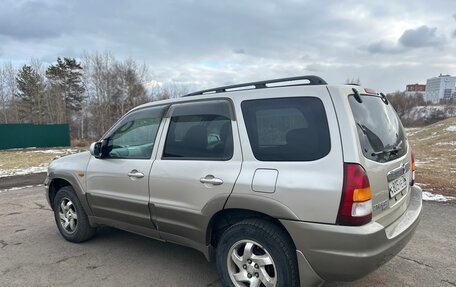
70	216
256	253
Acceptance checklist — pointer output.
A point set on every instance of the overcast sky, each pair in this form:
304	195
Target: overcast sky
209	42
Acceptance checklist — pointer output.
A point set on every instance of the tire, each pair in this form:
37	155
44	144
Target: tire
70	217
271	262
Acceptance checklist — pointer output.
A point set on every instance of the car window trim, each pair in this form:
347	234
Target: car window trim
169	115
114	127
292	161
232	114
120	122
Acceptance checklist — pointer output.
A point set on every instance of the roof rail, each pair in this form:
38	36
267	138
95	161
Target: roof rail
313	80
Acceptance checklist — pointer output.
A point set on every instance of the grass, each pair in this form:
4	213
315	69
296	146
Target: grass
24	158
434	149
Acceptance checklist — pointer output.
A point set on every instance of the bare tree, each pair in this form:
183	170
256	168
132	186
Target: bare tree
353	81
168	91
8	89
112	88
4	101
90	95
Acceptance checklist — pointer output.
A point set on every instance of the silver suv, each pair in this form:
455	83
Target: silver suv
283	182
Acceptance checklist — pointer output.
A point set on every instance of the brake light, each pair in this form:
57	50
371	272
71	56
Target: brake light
412	182
370	91
356	203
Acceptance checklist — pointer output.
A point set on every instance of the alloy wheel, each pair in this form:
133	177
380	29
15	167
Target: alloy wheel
251	265
67	215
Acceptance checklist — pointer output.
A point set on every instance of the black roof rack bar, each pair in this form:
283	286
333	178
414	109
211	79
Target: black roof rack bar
313	80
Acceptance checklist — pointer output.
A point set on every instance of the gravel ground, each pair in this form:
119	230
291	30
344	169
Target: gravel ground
32	253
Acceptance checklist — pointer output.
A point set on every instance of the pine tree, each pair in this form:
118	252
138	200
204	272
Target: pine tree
65	79
31	89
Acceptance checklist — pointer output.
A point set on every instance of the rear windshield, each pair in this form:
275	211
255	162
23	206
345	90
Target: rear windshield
287	129
379	128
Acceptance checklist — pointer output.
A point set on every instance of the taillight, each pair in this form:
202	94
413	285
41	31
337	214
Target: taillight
412	182
356	204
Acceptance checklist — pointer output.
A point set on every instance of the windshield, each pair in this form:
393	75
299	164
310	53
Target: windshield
379	128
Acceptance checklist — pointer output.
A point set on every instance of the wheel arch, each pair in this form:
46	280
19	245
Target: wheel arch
60	180
227	217
244	206
55	185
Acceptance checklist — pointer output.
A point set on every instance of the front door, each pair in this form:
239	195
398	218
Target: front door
196	168
117	183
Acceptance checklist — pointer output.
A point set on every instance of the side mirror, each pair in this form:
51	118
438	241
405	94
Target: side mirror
95	149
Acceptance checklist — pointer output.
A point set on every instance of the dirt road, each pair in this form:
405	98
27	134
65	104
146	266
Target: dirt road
32	253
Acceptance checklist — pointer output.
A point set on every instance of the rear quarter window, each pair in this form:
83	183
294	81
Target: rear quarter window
287	129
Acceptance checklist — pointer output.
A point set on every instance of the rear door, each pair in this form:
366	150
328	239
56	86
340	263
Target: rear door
386	154
197	165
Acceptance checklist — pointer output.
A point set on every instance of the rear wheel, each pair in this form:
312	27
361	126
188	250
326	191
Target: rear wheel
256	253
70	216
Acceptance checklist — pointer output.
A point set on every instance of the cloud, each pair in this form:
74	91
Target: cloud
209	43
34	20
315	68
422	36
384	47
239	51
454	32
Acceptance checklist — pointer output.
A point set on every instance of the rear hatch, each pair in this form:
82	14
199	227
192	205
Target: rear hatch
386	153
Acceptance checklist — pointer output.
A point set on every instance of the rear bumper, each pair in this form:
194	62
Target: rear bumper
344	253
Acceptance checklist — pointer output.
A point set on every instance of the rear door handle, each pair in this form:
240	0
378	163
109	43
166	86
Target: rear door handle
135	174
210	179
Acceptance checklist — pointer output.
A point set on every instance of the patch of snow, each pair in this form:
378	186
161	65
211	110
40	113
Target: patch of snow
421	162
427	138
49	151
19	188
412	131
446	143
55	151
428	112
429	196
451	129
36	169
23	171
422	184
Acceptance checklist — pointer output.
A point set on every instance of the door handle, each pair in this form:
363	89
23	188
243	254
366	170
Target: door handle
136	174
210	179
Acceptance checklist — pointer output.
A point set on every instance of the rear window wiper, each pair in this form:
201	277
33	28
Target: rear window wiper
393	150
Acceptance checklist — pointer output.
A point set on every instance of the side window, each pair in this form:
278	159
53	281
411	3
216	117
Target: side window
134	138
287	129
199	135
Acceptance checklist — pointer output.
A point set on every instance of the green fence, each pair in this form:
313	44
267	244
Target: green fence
29	135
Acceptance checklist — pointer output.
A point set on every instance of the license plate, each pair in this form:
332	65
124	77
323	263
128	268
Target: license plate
397	185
